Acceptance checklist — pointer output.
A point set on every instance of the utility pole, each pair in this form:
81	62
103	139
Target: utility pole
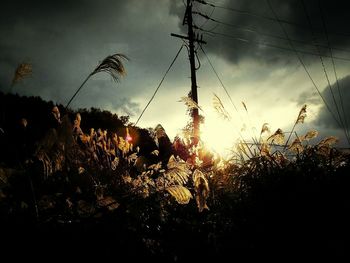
191	38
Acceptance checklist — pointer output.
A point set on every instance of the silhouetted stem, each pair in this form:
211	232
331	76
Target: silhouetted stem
290	135
75	94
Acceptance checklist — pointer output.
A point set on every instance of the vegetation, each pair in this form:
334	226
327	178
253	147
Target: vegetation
90	183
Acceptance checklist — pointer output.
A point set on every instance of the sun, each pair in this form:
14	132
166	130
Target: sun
218	135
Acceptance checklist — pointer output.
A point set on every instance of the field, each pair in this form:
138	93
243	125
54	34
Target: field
89	183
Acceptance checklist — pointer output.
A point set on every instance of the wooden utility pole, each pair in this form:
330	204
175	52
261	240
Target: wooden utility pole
191	40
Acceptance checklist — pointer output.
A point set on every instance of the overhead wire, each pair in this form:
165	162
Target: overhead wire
218	77
314	38
225	89
334	69
303	65
160	83
244	12
206	20
266	44
252	30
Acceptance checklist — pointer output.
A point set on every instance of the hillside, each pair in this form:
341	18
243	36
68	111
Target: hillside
121	191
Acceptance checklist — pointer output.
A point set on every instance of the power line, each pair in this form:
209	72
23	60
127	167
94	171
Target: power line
302	63
324	67
160	83
224	87
217	75
266	44
244	12
252	30
206	21
335	71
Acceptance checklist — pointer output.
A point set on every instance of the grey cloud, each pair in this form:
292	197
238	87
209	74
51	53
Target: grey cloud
336	17
309	97
64	40
106	94
325	118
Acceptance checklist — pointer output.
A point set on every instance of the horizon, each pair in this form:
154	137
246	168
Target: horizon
63	46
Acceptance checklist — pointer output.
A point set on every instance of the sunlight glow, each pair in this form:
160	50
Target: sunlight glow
218	135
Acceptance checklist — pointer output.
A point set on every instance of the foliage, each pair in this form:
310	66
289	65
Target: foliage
181	194
122	189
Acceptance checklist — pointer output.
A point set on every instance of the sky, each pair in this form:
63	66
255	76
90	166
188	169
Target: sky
250	51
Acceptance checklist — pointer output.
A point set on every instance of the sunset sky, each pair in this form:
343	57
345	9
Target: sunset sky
64	41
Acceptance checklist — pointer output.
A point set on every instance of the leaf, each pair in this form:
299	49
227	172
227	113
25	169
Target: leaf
181	194
81	170
108	202
46	202
4	175
85	209
158	133
178	171
85	138
132	157
201	187
127	179
155	152
155	167
187	132
115	163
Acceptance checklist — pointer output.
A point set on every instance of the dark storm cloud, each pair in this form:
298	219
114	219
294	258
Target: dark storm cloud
325	118
336	18
64	40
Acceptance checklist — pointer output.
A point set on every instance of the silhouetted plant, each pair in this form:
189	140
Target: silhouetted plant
112	65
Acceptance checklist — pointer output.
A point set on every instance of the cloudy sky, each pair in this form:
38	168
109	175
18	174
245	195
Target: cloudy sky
64	41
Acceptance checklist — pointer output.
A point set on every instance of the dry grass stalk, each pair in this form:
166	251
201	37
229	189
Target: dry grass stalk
265	128
219	107
23	70
190	103
277	137
309	135
300	119
245	106
296	146
328	141
302	115
113	65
